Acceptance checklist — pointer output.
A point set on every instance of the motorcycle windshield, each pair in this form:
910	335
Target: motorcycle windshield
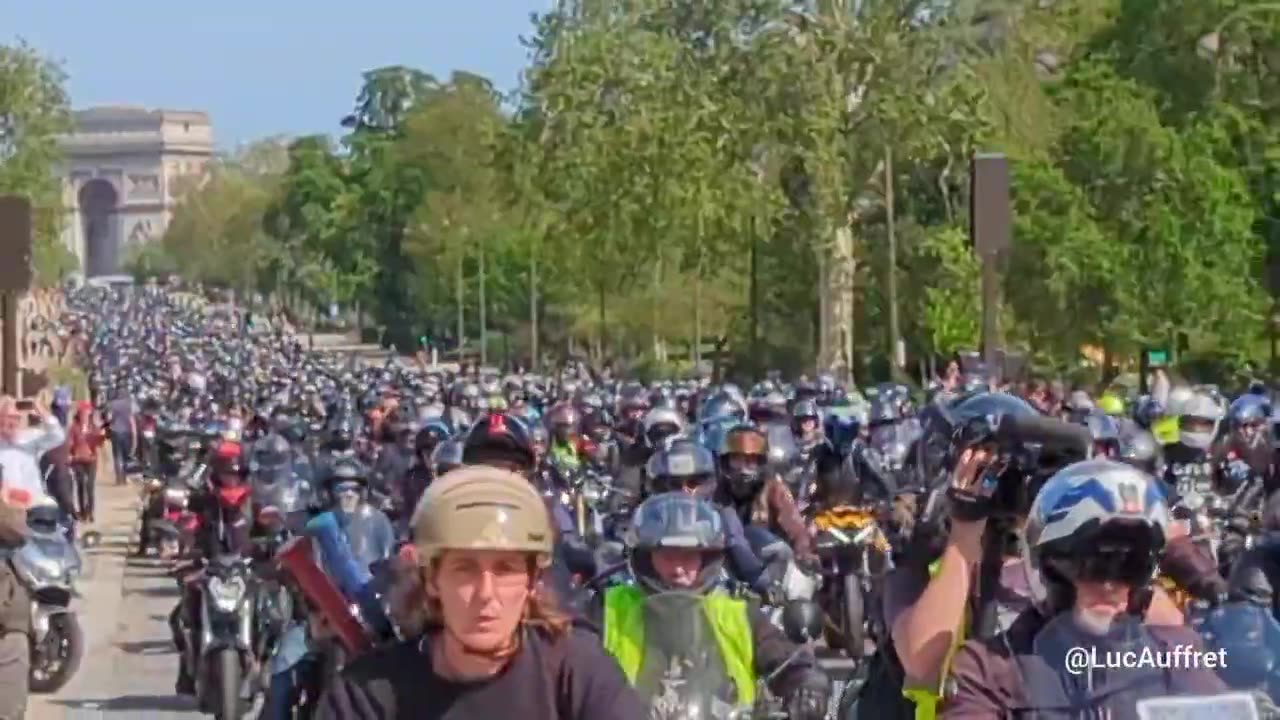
279	487
1127	670
891	443
1249	639
782	445
683	675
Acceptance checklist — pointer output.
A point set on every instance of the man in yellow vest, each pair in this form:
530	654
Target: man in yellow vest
683	641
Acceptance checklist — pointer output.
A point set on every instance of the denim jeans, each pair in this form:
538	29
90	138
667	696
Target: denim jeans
121	449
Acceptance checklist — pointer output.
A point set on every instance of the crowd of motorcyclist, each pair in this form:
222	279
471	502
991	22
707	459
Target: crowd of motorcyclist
578	546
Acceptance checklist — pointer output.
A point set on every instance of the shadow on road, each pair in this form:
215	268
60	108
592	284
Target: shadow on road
134	703
159	591
148	647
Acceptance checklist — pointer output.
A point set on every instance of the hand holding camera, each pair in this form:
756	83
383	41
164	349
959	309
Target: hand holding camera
973	484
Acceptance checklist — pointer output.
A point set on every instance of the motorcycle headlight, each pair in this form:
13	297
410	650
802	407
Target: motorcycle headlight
226	594
176	496
591	493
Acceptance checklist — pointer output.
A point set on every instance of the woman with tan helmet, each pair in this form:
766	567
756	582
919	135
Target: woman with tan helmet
493	640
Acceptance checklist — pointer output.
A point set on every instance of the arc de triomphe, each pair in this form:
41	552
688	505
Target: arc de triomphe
123	168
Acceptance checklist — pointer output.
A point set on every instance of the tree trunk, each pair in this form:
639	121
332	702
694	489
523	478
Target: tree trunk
483	313
460	298
533	311
601	330
895	332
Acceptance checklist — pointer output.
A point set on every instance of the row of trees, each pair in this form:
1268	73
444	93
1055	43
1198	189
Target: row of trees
34	109
787	180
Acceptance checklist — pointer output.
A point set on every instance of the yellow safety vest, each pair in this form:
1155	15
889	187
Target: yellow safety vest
926	699
624	635
1165	430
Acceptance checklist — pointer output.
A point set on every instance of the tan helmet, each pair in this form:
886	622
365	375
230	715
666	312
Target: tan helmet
480	507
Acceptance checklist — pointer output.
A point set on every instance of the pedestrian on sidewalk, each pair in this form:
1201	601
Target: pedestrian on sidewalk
123	422
86	439
22	446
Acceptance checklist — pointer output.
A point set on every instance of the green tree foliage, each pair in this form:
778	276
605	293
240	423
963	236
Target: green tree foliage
671	171
34	109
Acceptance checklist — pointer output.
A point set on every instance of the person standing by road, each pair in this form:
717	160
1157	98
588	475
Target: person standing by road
86	439
123	422
21	447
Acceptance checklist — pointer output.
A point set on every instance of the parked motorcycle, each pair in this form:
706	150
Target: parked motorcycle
47	564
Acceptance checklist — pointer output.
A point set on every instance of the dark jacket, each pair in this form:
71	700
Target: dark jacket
567	678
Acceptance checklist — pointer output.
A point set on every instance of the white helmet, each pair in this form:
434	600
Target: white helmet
1198	422
1178	398
1078	502
660	416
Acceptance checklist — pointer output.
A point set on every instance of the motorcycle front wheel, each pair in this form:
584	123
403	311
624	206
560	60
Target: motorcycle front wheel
56	659
854	638
229	706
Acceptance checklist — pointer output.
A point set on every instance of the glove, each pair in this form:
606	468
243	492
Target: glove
1192	569
973	483
808	703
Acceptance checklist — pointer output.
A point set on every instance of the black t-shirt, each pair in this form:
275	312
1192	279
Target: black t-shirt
567	679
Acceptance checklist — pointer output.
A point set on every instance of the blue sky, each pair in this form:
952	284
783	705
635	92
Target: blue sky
263	67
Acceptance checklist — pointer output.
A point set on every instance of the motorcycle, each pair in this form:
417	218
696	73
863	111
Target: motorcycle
223	655
47	564
854	553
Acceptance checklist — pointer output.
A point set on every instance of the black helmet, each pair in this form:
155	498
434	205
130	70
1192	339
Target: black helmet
683	464
347	469
677	521
499	438
430	435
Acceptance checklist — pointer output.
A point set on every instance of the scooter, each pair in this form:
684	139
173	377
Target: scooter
47	564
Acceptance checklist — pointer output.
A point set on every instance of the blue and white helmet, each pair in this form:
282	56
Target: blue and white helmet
1078	501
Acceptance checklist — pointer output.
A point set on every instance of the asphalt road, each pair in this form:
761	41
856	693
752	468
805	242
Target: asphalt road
130	662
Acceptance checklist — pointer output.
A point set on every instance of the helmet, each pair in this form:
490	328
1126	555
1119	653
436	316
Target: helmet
805	409
661	423
430	435
499	438
563	414
682	464
1078	405
678	521
228	457
744	477
1138	448
446	456
1249	410
272	451
481	508
347	469
1111	404
1178	397
1096	520
1198	421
